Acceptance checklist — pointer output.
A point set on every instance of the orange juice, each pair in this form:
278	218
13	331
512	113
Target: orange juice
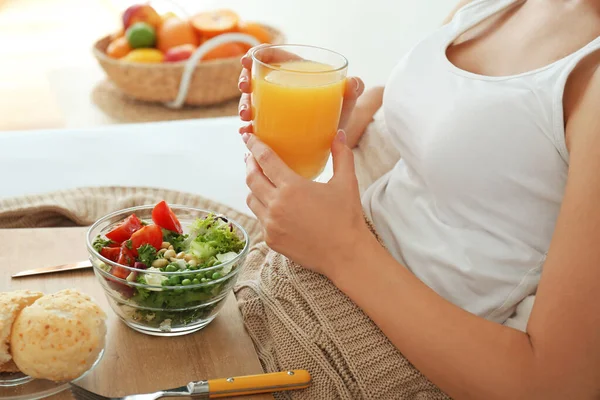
296	107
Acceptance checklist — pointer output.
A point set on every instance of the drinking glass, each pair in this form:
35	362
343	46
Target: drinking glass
297	94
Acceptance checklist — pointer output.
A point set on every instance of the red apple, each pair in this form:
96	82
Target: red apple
141	13
179	53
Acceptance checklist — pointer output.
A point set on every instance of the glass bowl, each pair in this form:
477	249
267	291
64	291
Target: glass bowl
170	309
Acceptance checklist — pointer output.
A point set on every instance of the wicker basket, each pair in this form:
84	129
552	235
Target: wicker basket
211	82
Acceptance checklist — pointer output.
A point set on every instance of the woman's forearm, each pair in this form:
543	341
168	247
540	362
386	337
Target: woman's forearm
366	107
466	356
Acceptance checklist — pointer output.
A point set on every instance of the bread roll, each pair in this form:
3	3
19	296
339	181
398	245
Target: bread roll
11	304
9	367
59	336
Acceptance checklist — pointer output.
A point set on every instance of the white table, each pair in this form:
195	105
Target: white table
204	157
199	156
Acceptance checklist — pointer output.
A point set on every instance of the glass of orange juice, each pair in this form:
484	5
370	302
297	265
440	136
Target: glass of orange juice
297	94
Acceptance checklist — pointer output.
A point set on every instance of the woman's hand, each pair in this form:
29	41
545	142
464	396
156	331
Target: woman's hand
354	88
315	224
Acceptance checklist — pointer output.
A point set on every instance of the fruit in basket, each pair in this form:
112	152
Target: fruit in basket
175	32
257	30
213	23
118	48
117	34
179	53
226	50
141	13
168	15
144	56
141	35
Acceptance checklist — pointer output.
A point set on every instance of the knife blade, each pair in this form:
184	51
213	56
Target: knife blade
57	268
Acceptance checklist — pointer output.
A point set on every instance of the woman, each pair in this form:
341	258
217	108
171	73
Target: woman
496	118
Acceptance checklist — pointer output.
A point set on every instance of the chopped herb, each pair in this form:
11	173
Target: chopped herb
144	223
146	254
99	243
177	241
129	244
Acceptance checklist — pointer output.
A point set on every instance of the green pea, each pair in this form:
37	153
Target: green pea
217	275
192	267
174	280
171	268
204	280
199	276
195	281
186	282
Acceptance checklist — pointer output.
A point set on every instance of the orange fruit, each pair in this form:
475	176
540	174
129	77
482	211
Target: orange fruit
225	50
118	48
213	23
168	15
117	34
175	32
257	30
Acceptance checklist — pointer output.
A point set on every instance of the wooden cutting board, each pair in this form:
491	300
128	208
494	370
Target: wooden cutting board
133	362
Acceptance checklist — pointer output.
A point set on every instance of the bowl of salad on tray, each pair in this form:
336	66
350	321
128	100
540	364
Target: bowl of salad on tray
166	270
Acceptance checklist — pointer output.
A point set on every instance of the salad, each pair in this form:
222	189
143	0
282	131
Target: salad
175	277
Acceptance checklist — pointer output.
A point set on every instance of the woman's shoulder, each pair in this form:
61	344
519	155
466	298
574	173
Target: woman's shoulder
581	99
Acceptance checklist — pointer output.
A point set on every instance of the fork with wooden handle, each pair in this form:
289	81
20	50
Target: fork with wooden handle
217	388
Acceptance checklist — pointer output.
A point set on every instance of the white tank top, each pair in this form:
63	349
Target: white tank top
471	207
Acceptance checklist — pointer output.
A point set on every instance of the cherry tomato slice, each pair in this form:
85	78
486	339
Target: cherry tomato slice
124	231
126	257
150	234
112	253
163	216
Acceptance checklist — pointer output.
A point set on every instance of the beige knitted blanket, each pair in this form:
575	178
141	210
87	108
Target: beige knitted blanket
296	318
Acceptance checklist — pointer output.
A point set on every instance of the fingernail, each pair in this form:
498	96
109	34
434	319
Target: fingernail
356	84
242	80
341	136
243	108
245	137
